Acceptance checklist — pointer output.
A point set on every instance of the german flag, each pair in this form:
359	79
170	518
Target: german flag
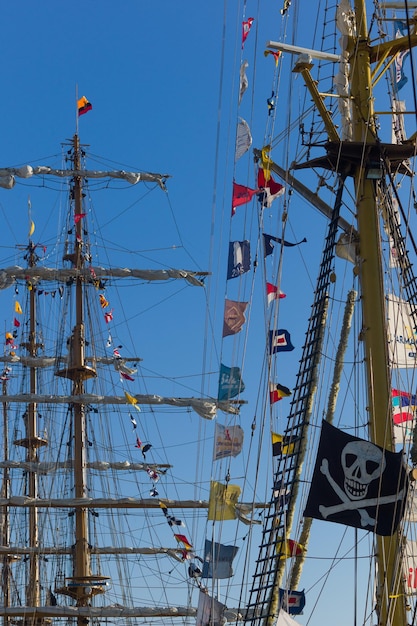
84	106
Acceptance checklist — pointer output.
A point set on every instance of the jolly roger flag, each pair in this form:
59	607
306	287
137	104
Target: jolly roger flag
357	483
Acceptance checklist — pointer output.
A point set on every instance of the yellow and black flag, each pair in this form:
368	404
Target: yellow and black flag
282	444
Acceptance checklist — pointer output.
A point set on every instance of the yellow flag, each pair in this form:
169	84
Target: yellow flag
17	307
223	500
31	228
132	400
266	162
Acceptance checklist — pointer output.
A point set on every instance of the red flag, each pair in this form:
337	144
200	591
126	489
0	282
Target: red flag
404	406
16	323
246	26
241	195
183	539
273	293
294	547
126	376
276	55
78	216
108	316
270	189
289	547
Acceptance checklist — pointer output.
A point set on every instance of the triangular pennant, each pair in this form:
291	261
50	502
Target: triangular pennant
246	26
273	293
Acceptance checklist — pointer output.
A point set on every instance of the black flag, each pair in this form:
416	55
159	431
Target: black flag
269	247
357	483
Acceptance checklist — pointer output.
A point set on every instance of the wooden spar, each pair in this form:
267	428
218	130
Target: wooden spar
63	275
115	503
84	614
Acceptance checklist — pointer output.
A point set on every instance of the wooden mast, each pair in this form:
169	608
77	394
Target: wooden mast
32	442
82	556
4	519
390	600
33	587
83	585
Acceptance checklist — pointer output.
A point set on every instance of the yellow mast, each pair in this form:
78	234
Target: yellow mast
390	600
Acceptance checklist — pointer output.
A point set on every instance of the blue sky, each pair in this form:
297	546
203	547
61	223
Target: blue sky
163	81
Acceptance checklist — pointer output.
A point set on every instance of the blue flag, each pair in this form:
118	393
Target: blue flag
230	382
280	341
292	602
218	560
401	30
239	258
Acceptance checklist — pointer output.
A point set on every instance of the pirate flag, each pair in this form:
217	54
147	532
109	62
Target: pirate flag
357	483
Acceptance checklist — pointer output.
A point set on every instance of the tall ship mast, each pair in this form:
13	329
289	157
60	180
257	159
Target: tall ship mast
357	161
59	475
268	479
